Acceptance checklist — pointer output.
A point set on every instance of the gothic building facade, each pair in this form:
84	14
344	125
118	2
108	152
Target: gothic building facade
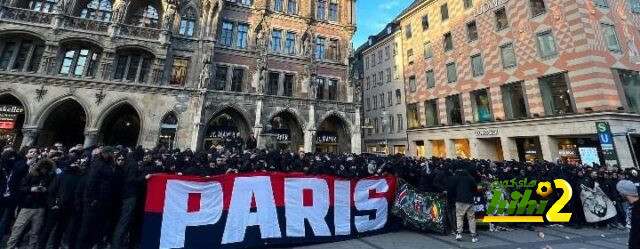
178	73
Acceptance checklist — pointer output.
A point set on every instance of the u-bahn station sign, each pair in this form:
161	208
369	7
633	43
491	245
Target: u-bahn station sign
488	6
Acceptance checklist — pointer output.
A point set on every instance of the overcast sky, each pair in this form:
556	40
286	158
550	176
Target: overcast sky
373	15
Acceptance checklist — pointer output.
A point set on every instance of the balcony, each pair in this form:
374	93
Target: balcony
25	15
78	23
140	32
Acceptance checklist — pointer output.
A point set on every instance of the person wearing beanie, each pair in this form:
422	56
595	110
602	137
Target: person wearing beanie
629	191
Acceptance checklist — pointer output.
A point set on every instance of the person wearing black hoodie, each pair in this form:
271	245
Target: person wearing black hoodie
60	201
32	204
15	169
465	187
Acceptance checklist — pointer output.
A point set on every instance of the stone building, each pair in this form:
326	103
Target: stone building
383	102
179	73
523	80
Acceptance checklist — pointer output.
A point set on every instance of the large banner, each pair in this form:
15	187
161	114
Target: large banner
422	211
596	205
262	209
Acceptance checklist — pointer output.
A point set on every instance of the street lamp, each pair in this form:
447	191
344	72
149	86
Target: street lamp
179	108
385	121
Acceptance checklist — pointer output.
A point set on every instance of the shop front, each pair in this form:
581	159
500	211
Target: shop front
333	136
420	150
220	128
287	132
439	149
11	120
529	149
580	150
462	147
326	141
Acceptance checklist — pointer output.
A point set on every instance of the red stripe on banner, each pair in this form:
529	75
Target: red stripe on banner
193	202
157	187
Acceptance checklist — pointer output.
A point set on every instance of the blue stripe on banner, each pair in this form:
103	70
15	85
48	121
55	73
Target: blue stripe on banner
210	236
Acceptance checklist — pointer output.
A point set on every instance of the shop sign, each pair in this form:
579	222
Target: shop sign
282	135
8	117
606	143
327	138
7	125
222	132
486	132
488	6
589	155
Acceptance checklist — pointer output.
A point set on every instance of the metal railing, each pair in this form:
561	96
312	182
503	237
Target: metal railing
140	32
85	24
25	15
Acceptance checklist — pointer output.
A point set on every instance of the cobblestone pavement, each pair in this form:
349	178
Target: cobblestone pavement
554	237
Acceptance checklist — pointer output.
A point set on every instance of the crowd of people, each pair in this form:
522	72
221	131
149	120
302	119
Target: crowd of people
86	197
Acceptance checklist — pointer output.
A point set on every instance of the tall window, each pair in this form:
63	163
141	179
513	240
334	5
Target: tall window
187	23
634	6
333	89
407	31
431	112
601	3
379	56
288	85
477	65
278	5
321	10
452	72
448	42
546	45
220	80
100	10
412	116
27	54
630	81
502	22
43	5
611	38
388	75
472	31
146	17
179	71
431	79
292	7
133	66
320	82
237	79
290	43
226	34
468	4
537	7
375	102
454	110
333	12
428	50
425	22
398	97
444	12
400	123
410	56
320	48
391	124
79	62
508	56
389	98
242	38
555	95
382	100
368	104
272	87
276	40
480	104
513	100
387	52
333	50
412	84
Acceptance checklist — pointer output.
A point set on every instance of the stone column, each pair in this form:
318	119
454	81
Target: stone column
450	148
90	137
356	138
476	148
29	136
549	147
310	134
257	125
428	149
509	148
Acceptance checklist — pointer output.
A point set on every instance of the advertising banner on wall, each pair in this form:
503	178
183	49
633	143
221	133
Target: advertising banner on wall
263	210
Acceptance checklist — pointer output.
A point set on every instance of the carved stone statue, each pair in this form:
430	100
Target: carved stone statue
169	15
205	75
119	9
307	43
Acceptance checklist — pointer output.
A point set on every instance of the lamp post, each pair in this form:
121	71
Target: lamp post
180	107
385	123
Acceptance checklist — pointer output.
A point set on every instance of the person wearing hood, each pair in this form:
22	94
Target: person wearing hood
15	169
465	187
33	203
629	191
60	200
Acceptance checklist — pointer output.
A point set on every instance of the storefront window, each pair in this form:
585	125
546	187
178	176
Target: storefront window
400	149
481	107
555	95
463	150
431	112
439	150
420	152
454	110
529	149
630	81
515	106
412	116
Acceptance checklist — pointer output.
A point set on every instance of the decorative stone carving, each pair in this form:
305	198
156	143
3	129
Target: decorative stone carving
119	10
205	75
169	15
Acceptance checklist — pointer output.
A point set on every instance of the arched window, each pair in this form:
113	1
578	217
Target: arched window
20	54
133	65
168	129
79	61
146	17
187	23
43	5
100	10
